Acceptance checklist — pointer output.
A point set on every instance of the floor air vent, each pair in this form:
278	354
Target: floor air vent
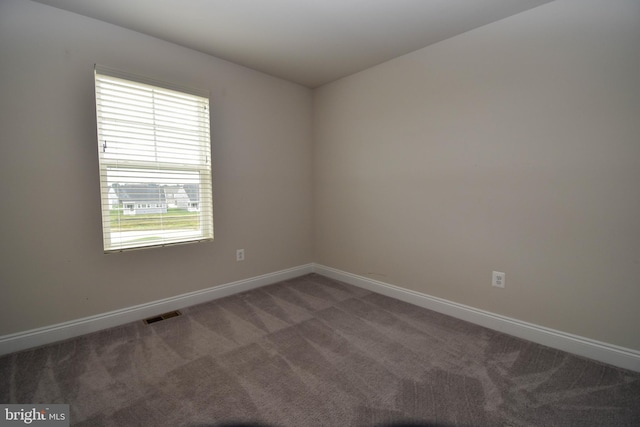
168	315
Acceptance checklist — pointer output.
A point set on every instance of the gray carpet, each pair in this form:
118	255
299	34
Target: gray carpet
316	352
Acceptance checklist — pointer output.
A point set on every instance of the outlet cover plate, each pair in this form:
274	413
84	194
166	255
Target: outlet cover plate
497	279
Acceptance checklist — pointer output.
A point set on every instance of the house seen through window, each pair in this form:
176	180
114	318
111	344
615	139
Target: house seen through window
155	162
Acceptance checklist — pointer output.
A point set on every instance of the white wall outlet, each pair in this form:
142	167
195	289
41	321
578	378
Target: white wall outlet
240	255
497	279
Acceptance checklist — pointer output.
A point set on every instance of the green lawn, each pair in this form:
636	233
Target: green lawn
174	219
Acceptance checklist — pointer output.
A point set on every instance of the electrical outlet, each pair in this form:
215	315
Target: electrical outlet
498	279
240	255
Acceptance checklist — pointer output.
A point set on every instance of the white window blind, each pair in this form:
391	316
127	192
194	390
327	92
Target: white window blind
155	162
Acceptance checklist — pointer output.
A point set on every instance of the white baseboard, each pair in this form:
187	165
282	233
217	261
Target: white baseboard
49	334
596	350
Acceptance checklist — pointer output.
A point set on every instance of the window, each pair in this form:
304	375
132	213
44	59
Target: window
153	144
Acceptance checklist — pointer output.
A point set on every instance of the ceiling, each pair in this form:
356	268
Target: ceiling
310	42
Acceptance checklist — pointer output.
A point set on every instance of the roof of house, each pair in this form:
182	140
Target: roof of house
193	191
139	192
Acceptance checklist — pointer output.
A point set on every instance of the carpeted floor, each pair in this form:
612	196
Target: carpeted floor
316	352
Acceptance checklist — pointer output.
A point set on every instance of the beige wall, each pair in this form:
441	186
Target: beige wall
514	147
52	265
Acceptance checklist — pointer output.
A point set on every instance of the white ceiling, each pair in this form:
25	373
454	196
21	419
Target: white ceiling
310	42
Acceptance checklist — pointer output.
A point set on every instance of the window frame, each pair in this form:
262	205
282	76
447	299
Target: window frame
148	167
